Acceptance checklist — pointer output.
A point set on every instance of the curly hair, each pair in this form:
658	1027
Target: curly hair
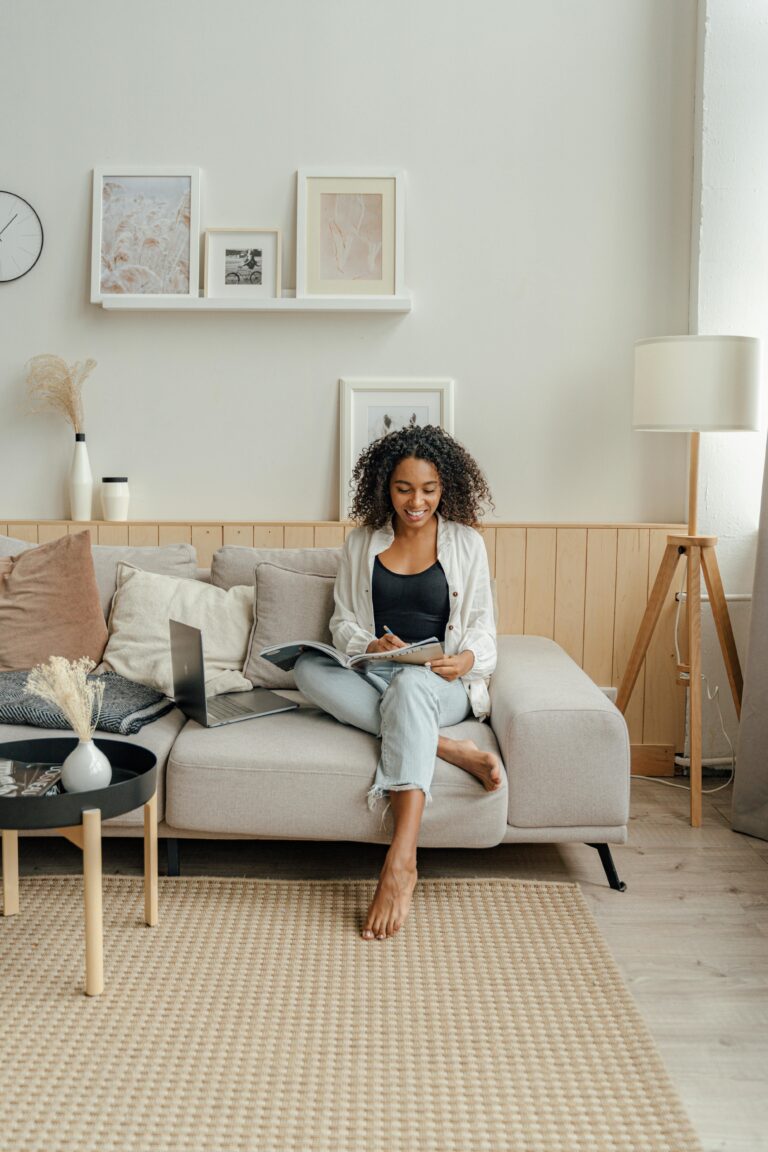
465	489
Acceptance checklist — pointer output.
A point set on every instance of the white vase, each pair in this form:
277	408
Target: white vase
85	768
80	481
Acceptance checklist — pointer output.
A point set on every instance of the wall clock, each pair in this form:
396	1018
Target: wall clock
21	237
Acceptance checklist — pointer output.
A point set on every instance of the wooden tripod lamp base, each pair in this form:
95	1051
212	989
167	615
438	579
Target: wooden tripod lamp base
700	557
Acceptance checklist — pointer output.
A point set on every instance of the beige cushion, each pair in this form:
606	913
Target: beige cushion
178	560
49	605
290	606
234	565
10	546
302	775
139	642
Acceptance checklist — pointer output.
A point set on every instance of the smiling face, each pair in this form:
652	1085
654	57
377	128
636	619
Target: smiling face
415	491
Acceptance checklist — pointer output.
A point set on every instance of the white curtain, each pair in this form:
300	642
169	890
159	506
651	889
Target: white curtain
750	791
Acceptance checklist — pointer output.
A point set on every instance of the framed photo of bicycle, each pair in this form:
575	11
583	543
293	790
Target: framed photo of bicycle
371	408
242	262
145	237
350	232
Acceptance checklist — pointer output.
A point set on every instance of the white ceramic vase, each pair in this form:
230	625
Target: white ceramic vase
85	768
80	481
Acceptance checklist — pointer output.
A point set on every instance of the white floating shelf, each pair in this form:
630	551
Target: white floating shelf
239	304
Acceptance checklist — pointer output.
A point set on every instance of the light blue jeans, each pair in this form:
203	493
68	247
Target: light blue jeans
403	704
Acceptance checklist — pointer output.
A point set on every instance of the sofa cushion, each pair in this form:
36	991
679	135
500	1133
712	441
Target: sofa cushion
139	642
302	775
158	737
179	560
291	606
10	546
49	605
234	564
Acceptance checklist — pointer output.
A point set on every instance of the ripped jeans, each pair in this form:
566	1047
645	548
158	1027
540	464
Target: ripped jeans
404	704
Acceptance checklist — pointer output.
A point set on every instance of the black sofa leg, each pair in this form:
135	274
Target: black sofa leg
610	868
172	852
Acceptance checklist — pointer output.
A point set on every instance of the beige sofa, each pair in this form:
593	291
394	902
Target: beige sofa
302	775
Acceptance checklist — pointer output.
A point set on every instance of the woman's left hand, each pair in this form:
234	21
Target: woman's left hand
452	667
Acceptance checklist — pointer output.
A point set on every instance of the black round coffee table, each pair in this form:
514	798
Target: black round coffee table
78	817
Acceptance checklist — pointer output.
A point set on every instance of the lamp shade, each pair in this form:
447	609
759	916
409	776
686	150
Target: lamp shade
697	384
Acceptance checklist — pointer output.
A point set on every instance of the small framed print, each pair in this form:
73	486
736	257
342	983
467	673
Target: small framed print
145	238
371	408
350	234
242	262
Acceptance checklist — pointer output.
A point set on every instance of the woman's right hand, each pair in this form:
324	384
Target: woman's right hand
386	643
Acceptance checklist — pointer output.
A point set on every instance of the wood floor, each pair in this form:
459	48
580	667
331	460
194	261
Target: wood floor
690	935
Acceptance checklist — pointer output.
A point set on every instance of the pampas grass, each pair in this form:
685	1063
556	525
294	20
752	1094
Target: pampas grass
66	685
57	386
145	235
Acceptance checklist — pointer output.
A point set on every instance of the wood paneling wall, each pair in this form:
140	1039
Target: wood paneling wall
585	586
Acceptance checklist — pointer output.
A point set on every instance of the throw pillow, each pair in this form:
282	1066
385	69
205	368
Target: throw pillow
234	564
49	605
167	560
10	546
291	606
139	643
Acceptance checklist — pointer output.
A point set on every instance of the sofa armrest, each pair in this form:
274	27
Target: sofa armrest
565	746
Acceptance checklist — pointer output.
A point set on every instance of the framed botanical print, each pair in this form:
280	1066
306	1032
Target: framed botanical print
371	408
350	234
145	233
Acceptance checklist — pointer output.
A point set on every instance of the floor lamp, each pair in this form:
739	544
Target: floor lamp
693	384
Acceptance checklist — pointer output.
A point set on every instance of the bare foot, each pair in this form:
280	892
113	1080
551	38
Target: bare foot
391	901
466	754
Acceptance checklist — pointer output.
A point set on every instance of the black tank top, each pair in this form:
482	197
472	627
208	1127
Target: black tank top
413	607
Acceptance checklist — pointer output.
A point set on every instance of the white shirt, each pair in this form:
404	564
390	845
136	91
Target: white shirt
471	624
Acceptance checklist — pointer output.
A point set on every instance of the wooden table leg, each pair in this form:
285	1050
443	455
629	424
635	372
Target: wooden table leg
94	928
150	861
10	872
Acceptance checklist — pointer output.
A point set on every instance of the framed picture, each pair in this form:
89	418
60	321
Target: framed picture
372	408
242	262
350	232
146	231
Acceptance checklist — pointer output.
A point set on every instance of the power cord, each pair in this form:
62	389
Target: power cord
711	696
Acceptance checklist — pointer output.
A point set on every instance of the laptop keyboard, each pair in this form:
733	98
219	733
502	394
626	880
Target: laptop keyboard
220	708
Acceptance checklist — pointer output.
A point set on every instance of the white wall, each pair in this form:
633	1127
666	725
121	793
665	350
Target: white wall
730	294
549	153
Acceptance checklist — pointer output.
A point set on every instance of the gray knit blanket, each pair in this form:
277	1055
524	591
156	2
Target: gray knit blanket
126	707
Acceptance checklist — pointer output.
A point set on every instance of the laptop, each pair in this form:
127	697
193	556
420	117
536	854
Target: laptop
189	686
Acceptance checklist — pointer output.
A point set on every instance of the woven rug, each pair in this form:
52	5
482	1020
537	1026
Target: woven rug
255	1018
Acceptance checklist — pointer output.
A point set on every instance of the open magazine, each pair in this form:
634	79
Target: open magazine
286	655
22	778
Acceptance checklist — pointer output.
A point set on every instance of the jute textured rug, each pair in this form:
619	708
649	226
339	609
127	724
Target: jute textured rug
255	1018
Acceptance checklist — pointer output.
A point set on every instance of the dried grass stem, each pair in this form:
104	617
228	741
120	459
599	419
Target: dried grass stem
54	385
66	685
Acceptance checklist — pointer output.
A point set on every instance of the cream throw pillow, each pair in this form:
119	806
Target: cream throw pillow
139	643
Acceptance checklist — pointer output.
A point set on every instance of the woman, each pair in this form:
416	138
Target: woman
414	568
